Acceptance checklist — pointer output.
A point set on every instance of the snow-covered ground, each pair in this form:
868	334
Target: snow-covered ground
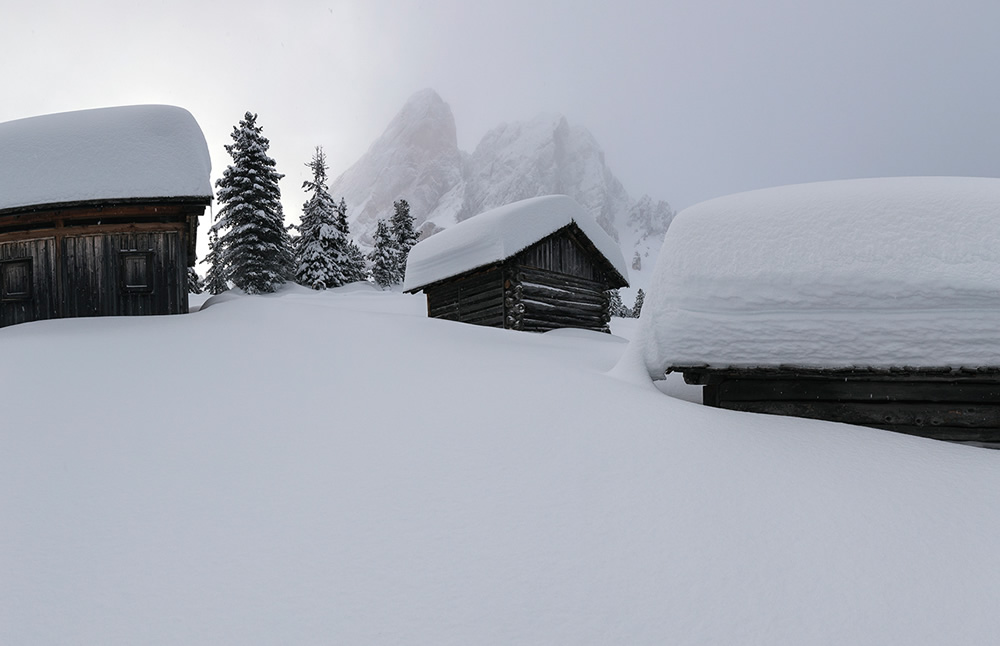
316	468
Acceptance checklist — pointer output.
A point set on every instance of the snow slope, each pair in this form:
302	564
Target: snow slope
128	152
315	468
884	272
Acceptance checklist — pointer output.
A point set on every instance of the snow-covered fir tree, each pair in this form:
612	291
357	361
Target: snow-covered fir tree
216	280
383	256
352	260
253	243
320	241
195	284
404	237
615	306
640	296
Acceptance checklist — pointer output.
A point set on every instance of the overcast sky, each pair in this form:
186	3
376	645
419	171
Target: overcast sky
690	99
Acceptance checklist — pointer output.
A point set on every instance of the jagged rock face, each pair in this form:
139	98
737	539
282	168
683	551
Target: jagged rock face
543	156
417	158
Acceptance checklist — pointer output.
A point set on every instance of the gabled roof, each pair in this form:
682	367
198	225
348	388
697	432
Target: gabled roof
122	153
500	233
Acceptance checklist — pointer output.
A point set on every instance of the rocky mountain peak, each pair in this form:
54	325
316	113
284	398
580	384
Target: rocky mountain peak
417	158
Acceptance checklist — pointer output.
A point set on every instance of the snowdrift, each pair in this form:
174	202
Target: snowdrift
859	273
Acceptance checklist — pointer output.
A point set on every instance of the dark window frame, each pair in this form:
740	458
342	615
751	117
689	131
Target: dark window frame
11	296
145	287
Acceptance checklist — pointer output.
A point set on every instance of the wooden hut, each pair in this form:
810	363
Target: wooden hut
873	302
99	212
534	265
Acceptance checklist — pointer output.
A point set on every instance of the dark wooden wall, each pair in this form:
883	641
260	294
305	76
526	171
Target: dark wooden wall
545	300
119	260
42	301
92	274
564	253
476	297
941	404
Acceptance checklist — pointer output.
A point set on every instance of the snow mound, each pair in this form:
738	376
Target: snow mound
499	234
130	152
872	272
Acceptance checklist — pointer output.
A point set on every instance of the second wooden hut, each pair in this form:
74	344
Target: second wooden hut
534	265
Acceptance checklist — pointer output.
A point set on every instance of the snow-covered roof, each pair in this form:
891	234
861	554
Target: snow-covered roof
131	152
500	233
858	273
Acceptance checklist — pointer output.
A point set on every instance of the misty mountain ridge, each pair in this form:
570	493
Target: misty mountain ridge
417	158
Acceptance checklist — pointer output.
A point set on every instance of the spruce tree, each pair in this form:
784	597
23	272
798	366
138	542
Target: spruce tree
253	242
640	296
351	259
615	306
404	237
216	280
195	283
320	240
383	256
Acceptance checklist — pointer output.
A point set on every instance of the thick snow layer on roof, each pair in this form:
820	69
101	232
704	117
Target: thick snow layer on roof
499	234
131	152
872	272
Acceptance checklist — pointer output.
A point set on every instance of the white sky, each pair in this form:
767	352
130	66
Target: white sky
690	99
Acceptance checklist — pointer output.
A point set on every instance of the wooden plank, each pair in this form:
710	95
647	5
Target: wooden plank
565	293
530	275
882	414
858	390
578	309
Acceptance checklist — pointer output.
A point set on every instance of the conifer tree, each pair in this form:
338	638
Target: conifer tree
383	256
640	296
320	240
352	260
195	283
215	279
404	237
615	306
253	242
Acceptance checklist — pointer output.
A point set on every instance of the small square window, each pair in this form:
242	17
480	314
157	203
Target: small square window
136	272
15	280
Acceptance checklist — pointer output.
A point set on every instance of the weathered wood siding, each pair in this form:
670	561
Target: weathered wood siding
560	281
550	300
942	404
94	282
562	252
472	298
41	301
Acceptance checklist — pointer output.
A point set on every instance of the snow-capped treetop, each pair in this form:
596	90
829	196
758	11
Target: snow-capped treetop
130	152
872	272
499	234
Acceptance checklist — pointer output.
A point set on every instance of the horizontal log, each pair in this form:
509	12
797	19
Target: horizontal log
576	309
562	294
882	414
948	433
701	375
540	276
557	322
858	390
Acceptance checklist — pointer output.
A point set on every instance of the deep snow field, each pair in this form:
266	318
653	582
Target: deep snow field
335	468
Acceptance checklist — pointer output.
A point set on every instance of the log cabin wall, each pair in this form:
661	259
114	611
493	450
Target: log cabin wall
475	297
559	284
944	404
560	281
109	260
